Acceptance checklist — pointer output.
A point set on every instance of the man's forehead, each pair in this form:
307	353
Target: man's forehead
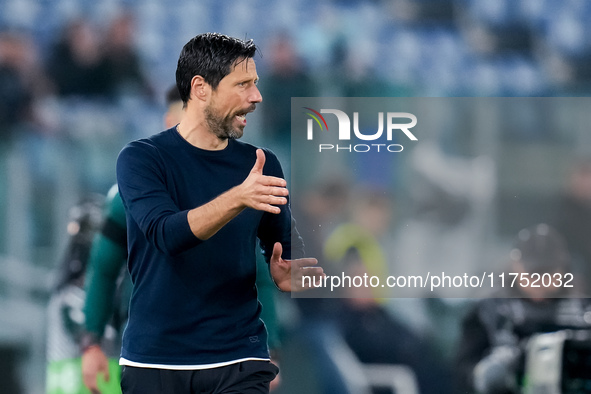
244	66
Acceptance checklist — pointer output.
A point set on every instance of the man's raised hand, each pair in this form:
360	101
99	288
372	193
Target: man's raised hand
288	274
262	192
258	191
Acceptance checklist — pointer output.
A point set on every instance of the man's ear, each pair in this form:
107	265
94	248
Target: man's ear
200	89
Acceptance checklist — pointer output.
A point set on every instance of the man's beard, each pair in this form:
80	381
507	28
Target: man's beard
223	128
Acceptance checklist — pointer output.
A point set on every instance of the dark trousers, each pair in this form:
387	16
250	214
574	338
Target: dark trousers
248	377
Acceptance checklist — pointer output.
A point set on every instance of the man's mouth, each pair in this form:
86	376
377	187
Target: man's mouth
242	115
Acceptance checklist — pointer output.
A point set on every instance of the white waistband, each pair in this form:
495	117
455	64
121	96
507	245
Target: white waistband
124	361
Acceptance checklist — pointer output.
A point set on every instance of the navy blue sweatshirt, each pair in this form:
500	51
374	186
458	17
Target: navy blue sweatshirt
194	302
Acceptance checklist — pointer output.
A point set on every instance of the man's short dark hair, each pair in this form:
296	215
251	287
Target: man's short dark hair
212	56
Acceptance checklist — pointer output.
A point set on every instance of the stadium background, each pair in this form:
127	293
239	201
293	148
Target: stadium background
63	146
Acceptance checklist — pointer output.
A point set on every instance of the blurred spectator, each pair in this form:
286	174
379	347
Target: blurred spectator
573	219
77	65
492	352
319	210
22	84
286	78
65	319
360	79
21	81
374	334
333	365
9	360
14	97
123	62
362	236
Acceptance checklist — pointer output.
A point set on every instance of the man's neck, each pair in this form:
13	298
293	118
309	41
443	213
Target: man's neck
197	133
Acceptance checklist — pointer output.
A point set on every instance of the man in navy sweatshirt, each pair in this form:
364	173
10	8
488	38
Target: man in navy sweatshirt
196	199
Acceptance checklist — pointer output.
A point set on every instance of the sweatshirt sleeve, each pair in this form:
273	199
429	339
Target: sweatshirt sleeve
141	176
107	258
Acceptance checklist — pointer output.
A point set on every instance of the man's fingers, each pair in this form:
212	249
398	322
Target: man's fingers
264	191
277	250
306	267
259	163
307	278
273	181
275	191
106	373
273	200
269	203
305	262
90	381
310	272
268	208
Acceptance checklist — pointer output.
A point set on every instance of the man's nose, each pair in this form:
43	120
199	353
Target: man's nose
255	95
